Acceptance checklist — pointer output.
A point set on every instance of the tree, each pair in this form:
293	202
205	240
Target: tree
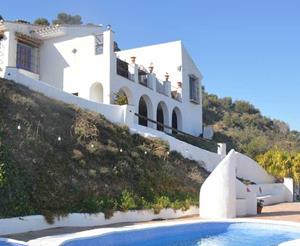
1	18
281	164
41	21
64	18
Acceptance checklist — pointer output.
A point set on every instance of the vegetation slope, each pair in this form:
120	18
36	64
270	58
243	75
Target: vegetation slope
56	159
244	128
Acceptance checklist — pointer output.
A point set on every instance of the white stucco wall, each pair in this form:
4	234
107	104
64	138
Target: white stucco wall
172	58
209	159
70	63
37	222
218	192
114	113
274	193
250	170
67	61
223	196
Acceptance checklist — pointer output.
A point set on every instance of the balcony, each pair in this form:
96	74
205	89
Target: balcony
123	69
140	75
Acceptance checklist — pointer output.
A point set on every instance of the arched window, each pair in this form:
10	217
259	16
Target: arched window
162	116
145	110
96	93
176	120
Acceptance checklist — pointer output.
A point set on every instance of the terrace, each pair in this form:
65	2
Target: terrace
147	78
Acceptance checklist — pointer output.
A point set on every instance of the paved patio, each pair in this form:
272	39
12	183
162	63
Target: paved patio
283	212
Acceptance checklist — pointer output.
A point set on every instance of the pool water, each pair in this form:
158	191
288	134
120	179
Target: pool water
197	234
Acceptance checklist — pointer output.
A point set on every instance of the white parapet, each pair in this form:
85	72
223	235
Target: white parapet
38	222
222	150
289	189
218	192
223	196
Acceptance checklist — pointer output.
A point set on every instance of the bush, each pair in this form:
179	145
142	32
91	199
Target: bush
127	201
281	164
161	203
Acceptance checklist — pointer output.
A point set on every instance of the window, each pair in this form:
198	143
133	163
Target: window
194	89
27	57
99	44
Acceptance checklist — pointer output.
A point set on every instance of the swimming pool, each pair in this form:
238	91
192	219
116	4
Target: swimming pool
229	233
197	234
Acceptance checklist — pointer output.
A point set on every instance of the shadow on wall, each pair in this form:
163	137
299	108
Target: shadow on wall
50	73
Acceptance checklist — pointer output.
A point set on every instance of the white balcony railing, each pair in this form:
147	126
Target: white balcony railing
141	76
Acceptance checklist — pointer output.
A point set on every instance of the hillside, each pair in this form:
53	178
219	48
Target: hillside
244	128
56	159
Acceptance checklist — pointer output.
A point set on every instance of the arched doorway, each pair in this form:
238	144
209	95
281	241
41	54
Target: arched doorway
176	120
123	97
162	116
145	110
96	93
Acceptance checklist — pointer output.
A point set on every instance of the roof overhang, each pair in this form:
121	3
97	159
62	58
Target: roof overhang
28	39
49	32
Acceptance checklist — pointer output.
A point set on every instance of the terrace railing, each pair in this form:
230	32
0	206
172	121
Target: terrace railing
176	93
184	136
143	78
122	69
160	87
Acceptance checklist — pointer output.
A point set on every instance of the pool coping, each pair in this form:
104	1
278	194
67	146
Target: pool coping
59	240
8	240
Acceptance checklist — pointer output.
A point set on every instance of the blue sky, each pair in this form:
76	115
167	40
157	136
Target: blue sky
245	49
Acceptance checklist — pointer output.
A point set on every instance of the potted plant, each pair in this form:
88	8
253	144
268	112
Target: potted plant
260	205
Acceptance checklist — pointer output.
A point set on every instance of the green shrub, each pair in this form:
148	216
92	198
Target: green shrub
161	203
127	201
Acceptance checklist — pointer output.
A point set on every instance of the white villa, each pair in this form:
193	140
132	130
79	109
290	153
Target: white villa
161	82
162	89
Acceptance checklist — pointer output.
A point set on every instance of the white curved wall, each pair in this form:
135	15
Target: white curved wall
218	192
251	170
